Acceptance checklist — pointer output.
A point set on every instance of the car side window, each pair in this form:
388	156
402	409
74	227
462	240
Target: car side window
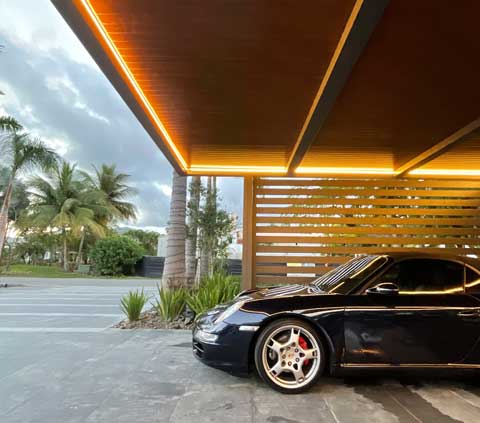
426	276
472	281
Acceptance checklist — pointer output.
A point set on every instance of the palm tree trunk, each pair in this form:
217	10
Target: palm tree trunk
174	269
205	250
211	256
65	253
191	245
4	213
80	248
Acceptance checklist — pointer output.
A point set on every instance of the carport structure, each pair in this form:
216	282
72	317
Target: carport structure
355	124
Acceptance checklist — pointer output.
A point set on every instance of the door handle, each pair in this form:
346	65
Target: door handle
469	313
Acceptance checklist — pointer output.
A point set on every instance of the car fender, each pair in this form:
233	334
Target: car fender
327	340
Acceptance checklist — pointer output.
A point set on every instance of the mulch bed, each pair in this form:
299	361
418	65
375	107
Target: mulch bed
151	320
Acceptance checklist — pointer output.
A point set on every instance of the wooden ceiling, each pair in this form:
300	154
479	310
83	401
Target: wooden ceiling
310	87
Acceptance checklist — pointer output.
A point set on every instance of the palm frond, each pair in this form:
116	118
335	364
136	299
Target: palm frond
113	185
9	124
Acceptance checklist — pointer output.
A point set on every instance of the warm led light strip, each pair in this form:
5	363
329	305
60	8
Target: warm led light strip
345	171
131	79
445	172
95	20
238	169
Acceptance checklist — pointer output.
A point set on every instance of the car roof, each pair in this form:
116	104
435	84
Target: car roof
474	262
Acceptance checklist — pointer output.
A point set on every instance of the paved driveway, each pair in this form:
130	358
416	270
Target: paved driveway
55	305
71	368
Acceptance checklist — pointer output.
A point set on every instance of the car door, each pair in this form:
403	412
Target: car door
472	287
431	320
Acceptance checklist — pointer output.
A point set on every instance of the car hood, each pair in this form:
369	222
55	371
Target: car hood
207	319
281	291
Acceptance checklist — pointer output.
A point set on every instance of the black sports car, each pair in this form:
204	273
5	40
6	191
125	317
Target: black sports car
392	310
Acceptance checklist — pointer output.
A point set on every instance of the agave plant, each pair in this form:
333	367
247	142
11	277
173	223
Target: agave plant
171	303
216	289
132	304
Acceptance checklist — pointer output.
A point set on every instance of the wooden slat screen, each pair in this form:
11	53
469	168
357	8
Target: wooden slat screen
305	227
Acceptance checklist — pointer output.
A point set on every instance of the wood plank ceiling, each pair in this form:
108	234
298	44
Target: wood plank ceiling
315	87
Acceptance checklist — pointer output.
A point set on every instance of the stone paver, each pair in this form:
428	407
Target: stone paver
109	375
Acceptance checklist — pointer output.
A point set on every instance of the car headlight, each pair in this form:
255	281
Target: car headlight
207	337
229	311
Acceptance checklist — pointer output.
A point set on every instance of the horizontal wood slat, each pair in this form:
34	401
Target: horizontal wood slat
328	192
302	259
460	221
355	183
317	270
374	202
280	280
367	240
359	250
349	230
318	224
350	211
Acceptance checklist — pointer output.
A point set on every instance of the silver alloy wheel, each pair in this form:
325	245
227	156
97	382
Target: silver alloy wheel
285	362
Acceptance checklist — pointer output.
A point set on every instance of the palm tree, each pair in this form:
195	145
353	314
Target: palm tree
174	269
22	153
116	191
61	201
208	237
112	186
192	229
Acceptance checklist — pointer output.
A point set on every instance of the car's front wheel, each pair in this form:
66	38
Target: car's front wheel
289	355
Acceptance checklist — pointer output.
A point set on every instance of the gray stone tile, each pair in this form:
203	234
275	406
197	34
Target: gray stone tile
59	405
132	410
347	406
273	407
214	404
151	376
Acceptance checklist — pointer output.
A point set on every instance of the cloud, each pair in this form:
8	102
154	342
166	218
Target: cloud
37	22
164	189
56	91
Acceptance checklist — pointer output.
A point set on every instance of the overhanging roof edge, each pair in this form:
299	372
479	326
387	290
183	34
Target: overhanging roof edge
75	20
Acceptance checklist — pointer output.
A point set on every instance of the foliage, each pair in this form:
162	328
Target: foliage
116	255
19	200
40	271
195	190
76	206
147	239
21	152
214	224
133	303
171	303
115	190
61	201
32	246
9	124
217	289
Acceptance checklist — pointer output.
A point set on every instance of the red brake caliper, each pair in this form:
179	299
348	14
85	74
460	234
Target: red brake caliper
304	346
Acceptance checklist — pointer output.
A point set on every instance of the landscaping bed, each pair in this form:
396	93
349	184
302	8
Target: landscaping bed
151	320
176	308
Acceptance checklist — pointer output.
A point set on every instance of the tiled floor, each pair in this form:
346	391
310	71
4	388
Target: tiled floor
60	363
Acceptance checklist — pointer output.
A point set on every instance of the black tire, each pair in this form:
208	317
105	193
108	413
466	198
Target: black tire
264	337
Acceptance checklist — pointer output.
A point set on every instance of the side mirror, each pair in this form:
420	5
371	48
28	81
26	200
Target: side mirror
384	288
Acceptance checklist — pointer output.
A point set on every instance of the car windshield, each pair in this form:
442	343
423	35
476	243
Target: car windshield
344	278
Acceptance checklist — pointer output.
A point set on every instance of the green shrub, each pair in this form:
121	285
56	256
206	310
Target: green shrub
213	290
171	303
116	255
133	303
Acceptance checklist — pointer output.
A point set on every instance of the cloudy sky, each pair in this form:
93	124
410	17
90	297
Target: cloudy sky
54	88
